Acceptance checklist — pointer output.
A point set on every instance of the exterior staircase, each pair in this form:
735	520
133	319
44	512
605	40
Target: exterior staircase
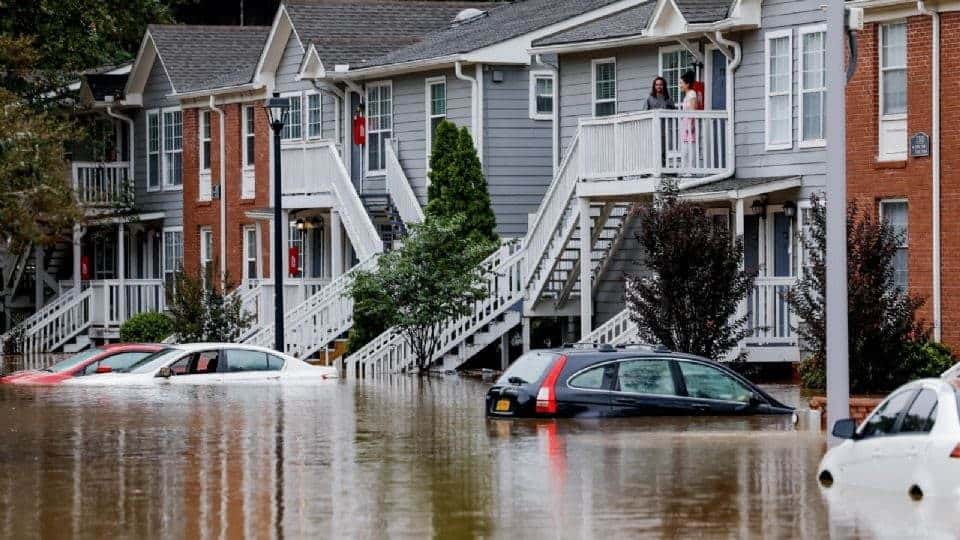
383	213
54	325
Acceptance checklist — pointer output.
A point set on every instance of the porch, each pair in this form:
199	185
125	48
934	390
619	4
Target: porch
102	186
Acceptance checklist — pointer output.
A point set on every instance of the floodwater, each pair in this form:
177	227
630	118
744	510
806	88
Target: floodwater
403	457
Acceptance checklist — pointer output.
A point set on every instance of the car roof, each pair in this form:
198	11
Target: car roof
120	347
194	347
616	352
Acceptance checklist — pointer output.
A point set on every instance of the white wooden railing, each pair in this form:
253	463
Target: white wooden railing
317	320
115	302
27	325
504	282
361	230
101	184
401	193
654	143
72	314
619	329
768	313
300	176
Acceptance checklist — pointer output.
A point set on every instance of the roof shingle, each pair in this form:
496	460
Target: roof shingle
206	57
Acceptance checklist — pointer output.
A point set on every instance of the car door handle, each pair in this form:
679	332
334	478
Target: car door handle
701	408
625	401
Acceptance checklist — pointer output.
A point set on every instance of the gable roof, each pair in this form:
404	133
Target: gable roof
500	23
628	22
357	31
206	57
703	11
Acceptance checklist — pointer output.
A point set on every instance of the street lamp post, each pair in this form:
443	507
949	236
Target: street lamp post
276	107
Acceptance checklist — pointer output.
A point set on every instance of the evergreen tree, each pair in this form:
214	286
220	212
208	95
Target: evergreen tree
457	184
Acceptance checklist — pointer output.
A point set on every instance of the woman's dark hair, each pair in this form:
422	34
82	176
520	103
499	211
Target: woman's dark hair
653	87
689	77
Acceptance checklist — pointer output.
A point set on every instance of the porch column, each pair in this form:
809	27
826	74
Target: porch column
586	287
122	271
738	233
336	245
525	329
77	255
504	351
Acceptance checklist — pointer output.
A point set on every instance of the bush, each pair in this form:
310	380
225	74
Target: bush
148	327
922	359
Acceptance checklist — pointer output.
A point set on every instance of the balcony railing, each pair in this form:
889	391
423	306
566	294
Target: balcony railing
102	185
769	317
655	143
302	172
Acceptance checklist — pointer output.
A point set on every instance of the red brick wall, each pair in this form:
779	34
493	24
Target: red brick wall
869	181
199	214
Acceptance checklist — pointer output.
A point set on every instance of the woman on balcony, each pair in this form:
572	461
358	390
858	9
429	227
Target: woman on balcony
688	130
659	98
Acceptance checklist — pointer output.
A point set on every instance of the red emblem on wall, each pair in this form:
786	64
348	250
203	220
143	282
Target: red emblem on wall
85	267
699	89
293	265
359	130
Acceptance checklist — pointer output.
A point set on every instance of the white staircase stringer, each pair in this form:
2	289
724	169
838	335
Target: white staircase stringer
401	193
56	324
619	329
360	228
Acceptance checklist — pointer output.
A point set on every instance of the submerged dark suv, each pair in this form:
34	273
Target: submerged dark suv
627	381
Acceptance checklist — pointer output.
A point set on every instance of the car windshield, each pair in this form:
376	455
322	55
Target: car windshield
155	360
73	361
528	368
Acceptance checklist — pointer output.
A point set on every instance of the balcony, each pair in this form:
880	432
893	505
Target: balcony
771	322
102	185
307	168
655	144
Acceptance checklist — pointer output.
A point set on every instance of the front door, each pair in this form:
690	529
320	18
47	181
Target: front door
718	80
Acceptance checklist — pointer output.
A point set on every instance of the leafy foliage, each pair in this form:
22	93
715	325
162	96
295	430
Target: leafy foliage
147	327
457	185
883	327
205	312
434	277
690	301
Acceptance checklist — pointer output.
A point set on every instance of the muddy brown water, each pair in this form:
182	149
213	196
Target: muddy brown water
405	457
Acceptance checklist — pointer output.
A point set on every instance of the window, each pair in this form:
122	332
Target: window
276	363
197	363
922	413
297	243
529	367
541	95
706	382
598	378
241	360
153	150
379	124
117	363
604	87
674	62
206	253
251	253
893	91
779	85
436	108
172	254
883	421
205	140
314	116
249	136
646	377
172	149
294	120
895	213
813	85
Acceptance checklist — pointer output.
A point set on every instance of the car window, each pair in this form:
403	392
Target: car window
922	413
593	379
150	363
276	363
707	382
244	360
646	377
529	367
73	361
117	363
199	363
883	421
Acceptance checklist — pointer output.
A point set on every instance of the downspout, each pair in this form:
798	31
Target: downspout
475	125
223	195
935	158
732	65
555	120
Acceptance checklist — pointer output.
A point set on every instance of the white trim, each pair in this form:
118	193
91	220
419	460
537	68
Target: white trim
248	170
821	142
204	121
366	101
305	104
428	111
896	200
542	74
163	149
206	252
768	37
667	49
593	85
163	250
884	121
285	140
246	251
159	151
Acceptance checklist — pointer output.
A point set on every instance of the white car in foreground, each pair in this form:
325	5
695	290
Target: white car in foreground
213	363
909	444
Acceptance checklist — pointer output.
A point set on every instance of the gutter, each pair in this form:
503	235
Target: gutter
935	158
555	136
218	91
476	95
223	196
692	30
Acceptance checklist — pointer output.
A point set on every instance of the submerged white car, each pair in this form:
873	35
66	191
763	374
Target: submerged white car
213	363
909	444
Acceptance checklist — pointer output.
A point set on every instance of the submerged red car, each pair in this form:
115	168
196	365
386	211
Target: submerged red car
104	359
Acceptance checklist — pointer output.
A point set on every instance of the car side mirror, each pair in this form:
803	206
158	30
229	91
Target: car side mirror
756	399
845	428
165	372
104	369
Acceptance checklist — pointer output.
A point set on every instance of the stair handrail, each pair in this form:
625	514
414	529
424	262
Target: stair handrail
613	331
53	339
400	190
361	230
26	324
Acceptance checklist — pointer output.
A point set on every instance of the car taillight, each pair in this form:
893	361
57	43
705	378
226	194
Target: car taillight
547	395
956	451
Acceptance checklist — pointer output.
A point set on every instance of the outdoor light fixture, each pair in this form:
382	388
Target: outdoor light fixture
277	107
759	207
305	224
789	209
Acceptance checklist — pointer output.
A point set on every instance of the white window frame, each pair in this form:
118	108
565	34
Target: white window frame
669	49
534	76
248	188
906	238
158	152
286	124
593	86
369	86
302	255
821	142
163	252
768	37
428	85
204	120
206	251
163	149
886	119
247	256
305	130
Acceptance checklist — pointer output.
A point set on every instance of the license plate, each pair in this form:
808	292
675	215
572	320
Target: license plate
503	405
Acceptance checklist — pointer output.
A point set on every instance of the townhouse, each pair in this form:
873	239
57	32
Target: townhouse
902	161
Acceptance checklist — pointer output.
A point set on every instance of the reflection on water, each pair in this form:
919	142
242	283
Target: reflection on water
396	457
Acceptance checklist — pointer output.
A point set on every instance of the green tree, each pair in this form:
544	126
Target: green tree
433	278
457	184
883	325
202	312
690	301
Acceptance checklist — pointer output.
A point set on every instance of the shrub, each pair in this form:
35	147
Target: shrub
927	359
148	327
